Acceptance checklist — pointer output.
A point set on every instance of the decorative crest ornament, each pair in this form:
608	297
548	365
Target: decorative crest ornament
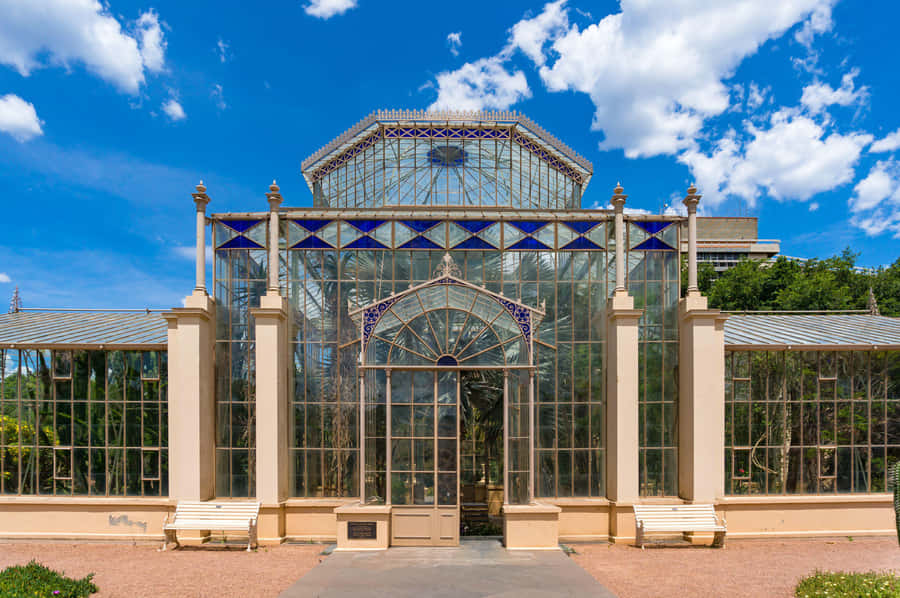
448	268
15	305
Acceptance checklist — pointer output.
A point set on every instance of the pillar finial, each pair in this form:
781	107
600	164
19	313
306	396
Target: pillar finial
691	199
618	198
274	196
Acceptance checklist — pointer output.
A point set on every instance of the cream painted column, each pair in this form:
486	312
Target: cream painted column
191	346
621	377
701	390
272	366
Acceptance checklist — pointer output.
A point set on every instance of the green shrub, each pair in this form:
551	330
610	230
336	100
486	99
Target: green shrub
36	581
849	585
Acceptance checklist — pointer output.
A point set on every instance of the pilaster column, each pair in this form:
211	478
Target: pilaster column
272	404
191	347
621	376
701	391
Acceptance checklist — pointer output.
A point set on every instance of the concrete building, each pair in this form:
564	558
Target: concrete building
448	345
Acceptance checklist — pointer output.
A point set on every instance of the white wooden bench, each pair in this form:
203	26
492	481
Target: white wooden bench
677	518
213	516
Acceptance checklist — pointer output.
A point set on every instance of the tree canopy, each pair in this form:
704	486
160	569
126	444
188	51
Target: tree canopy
817	284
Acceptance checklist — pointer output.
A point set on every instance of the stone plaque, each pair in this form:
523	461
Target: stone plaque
362	530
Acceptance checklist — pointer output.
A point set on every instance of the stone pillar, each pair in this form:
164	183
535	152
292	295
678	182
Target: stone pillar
621	390
191	346
701	391
201	199
272	404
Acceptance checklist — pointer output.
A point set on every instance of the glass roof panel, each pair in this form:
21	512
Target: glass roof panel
492	357
407	308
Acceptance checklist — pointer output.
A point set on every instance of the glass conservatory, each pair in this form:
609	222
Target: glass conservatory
442	344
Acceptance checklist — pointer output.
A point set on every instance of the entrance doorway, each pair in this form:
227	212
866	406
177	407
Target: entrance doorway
481	453
420	349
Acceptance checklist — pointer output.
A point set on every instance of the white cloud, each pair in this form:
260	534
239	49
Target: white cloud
655	70
38	33
530	35
814	206
875	203
484	83
218	97
757	96
4	277
222	49
152	41
794	158
19	118
888	144
818	96
819	22
173	110
325	9
454	42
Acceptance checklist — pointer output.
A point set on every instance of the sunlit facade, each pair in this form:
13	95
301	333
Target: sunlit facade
449	346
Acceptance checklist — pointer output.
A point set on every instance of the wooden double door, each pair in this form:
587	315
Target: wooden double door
423	454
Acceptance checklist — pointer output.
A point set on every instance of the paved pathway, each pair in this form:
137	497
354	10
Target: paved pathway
477	568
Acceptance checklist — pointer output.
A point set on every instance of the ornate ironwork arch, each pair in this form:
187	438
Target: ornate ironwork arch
447	322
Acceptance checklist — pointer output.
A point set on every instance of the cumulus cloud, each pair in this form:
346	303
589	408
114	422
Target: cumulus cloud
325	9
152	41
530	35
173	110
888	144
818	96
655	70
485	83
40	33
19	118
792	158
454	42
875	203
4	277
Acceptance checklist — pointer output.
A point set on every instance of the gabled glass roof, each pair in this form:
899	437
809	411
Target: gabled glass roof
411	158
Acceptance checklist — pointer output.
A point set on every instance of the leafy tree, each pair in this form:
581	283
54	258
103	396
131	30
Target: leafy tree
827	284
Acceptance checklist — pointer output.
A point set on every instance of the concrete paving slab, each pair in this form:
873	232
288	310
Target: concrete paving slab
477	568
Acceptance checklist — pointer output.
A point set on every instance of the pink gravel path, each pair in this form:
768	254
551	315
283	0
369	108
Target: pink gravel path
136	571
746	568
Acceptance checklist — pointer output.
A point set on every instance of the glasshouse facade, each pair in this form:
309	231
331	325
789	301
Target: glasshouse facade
446	344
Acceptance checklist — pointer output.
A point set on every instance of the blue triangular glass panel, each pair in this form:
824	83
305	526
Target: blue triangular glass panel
240	225
581	243
420	226
366	225
581	226
652	226
312	225
528	226
651	244
528	243
420	243
365	243
474	226
240	243
474	243
312	243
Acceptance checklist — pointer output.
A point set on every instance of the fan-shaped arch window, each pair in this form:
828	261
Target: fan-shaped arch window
448	325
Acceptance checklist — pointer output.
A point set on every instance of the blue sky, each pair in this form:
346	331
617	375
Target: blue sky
111	113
